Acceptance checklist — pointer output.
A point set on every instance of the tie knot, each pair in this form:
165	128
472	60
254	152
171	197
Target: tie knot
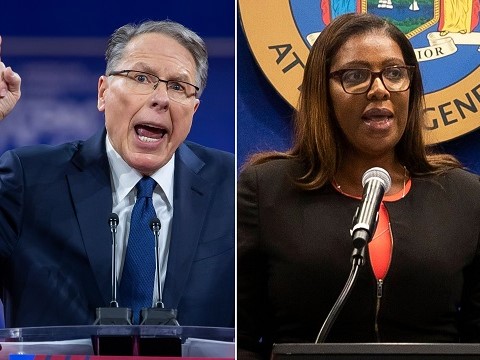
145	187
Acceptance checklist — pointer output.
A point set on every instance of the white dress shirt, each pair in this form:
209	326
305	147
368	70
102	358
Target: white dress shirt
124	179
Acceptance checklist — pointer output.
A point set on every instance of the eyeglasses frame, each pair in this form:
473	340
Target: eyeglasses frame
373	74
122	72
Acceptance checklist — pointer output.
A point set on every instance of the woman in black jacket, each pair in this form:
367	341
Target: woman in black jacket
361	106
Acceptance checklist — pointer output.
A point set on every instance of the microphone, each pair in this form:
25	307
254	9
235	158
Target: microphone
113	315
158	315
113	222
376	182
155	226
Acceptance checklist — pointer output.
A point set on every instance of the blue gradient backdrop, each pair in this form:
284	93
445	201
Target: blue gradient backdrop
58	49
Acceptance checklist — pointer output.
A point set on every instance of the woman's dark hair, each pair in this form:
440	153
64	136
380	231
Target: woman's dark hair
318	141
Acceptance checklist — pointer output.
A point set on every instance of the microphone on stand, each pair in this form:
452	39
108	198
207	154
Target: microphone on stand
376	182
113	315
113	222
158	315
116	344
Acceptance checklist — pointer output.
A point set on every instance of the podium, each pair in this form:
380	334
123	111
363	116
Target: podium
384	351
119	340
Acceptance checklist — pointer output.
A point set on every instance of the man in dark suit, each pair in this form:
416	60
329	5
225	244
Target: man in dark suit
55	242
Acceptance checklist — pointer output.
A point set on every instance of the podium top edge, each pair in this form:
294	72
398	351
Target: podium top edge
376	348
86	331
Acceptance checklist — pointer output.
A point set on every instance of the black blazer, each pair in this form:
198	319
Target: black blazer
294	251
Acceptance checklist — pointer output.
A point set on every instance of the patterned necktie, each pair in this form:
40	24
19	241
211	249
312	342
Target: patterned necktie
136	288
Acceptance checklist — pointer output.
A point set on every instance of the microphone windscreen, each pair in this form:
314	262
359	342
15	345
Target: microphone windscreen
155	224
380	174
113	219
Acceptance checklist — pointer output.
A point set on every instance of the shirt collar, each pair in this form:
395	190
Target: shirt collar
124	178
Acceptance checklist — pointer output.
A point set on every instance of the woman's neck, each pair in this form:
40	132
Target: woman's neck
348	177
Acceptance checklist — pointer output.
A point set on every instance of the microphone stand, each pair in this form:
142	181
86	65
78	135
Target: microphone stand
113	315
358	256
119	345
113	222
158	315
376	182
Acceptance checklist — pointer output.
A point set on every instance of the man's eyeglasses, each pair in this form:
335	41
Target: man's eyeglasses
359	81
143	83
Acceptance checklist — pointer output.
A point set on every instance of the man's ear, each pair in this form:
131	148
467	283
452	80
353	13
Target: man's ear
197	104
102	87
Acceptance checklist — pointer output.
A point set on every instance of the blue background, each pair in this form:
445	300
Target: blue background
58	47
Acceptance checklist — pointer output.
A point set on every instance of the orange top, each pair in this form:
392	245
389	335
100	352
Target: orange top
380	247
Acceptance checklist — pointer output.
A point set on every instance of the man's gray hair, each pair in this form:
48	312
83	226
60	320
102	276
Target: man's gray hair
185	37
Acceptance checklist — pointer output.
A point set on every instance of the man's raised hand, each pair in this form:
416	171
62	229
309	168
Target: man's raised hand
9	88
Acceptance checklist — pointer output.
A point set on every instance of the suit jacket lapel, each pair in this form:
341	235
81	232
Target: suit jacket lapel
190	201
92	197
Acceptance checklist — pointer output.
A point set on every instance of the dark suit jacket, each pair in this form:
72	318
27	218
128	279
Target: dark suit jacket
55	242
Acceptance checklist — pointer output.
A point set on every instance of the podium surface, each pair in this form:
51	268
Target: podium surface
397	351
87	340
